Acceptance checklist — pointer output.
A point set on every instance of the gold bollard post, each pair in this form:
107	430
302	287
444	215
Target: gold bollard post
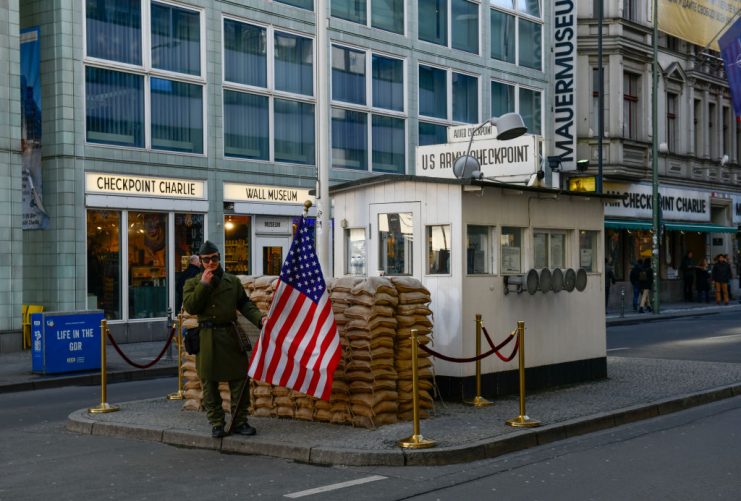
104	406
416	441
478	400
522	421
180	394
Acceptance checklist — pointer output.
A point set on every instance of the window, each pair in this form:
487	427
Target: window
104	262
168	87
506	98
588	241
595	101
549	248
386	15
368	118
459	18
712	121
437	88
237	237
725	148
510	244
517	32
671	121
630	106
438	249
630	10
147	251
280	106
480	250
304	4
697	112
356	258
395	233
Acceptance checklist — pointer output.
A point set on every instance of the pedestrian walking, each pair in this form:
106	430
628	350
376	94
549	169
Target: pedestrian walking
193	269
721	277
645	283
702	281
687	268
215	296
634	275
609	279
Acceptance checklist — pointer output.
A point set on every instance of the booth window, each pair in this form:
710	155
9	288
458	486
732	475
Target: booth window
395	239
355	253
549	249
480	250
147	264
511	249
588	245
103	262
237	244
438	249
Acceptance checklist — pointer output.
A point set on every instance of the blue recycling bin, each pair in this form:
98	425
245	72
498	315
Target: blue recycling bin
65	341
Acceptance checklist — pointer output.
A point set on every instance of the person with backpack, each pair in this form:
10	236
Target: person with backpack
645	283
721	277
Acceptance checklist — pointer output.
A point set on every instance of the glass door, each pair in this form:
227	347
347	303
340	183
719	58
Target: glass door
271	252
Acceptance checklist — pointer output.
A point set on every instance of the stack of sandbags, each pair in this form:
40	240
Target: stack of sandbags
412	312
261	292
370	331
261	399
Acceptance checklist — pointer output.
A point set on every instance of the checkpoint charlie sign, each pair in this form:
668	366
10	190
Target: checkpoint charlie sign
676	204
513	160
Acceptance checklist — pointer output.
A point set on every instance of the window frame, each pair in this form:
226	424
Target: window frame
428	228
672	99
491	261
518	15
147	72
449	27
631	99
550	233
521	231
517	109
448	121
346	235
369	18
597	237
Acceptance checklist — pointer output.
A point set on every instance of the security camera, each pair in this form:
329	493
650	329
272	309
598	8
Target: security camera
537	179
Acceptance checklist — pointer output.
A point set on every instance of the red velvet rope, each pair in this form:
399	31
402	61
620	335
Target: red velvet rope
141	366
514	351
494	349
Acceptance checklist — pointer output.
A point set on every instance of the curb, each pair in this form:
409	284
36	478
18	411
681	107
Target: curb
79	422
635	319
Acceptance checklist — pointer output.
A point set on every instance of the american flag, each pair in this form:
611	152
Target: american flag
299	347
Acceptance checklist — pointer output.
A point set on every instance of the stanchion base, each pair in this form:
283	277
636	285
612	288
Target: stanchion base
479	402
178	395
103	408
417	442
523	422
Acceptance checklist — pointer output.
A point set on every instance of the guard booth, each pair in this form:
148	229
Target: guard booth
509	252
65	341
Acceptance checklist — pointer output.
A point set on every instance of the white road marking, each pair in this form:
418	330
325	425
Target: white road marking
618	349
334	487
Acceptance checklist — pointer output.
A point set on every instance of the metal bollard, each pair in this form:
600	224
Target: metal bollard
622	301
478	401
104	406
416	441
522	421
180	394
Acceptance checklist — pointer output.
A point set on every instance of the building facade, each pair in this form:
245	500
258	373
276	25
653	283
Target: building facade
699	144
163	123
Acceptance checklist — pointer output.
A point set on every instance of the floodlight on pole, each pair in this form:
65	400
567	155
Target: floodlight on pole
509	126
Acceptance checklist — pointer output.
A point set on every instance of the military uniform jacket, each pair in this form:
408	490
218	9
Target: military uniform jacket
220	358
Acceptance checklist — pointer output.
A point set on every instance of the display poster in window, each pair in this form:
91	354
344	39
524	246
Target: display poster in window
539	244
557	254
585	259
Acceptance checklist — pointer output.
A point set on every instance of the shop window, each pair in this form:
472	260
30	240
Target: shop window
147	254
614	252
588	247
272	260
438	249
237	231
549	249
395	235
480	250
511	250
355	252
189	235
103	262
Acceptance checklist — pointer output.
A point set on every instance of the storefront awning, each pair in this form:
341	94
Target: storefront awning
701	227
626	224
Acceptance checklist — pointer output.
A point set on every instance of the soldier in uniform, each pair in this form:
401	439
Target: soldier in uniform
215	296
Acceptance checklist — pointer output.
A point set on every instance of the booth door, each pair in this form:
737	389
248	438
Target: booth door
395	240
271	252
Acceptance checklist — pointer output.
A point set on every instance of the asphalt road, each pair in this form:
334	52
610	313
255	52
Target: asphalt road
694	454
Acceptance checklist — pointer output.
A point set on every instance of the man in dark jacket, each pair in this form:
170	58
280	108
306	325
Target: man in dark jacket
721	276
645	283
688	274
215	296
193	269
634	272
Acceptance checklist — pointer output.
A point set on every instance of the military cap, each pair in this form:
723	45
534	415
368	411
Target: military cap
208	247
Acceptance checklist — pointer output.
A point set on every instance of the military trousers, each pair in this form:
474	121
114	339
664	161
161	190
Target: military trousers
213	404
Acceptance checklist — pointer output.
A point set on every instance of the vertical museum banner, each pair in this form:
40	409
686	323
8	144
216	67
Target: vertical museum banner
564	83
34	214
730	49
697	21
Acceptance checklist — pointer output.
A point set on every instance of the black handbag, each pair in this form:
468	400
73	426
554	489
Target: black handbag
192	340
245	345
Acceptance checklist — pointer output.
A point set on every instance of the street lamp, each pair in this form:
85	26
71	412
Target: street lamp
509	126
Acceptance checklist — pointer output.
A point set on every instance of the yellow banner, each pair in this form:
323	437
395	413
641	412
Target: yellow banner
697	21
